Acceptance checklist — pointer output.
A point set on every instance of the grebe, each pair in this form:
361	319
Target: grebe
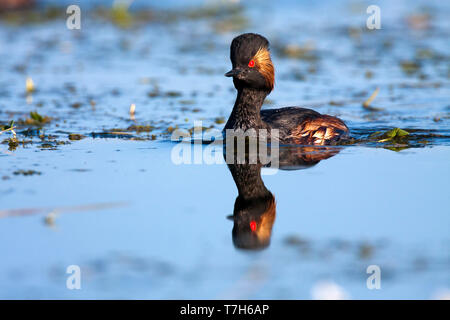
253	77
254	209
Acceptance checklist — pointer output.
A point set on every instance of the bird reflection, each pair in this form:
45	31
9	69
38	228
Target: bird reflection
255	207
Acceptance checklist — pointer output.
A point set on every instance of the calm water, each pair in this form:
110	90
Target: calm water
140	226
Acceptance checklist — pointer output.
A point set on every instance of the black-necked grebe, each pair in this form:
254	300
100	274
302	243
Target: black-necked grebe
253	77
254	209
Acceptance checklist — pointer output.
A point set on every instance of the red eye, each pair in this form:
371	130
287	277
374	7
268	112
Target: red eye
251	64
253	223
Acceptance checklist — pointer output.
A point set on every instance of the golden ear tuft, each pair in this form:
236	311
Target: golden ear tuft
265	65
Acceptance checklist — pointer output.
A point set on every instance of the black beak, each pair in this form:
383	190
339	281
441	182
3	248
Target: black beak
233	73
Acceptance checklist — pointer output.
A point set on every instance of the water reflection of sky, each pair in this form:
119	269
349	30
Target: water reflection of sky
172	238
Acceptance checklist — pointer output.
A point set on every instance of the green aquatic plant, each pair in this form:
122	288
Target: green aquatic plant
36	116
129	133
36	119
12	143
7	127
120	15
219	120
395	139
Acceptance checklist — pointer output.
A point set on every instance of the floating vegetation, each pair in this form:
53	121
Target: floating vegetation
214	11
201	129
70	87
354	32
410	67
46	145
420	85
365	251
8	127
76	136
155	92
141	128
128	133
226	17
396	139
112	134
395	134
36	119
120	14
336	103
219	120
170	129
32	15
368	74
425	53
13	143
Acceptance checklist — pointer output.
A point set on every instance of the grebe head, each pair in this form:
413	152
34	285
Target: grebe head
252	65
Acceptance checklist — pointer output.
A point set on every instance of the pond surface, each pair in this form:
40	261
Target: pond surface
85	183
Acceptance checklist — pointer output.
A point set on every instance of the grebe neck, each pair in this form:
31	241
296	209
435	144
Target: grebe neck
248	181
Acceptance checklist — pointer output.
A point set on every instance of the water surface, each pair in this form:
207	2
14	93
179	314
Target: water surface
96	188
